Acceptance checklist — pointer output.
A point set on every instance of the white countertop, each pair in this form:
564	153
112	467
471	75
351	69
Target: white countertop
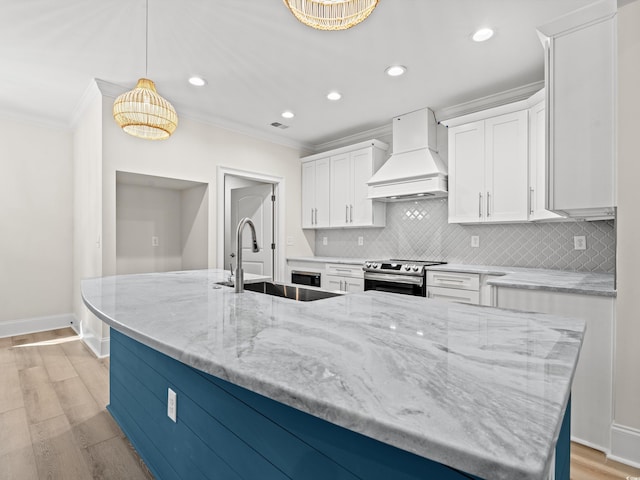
480	389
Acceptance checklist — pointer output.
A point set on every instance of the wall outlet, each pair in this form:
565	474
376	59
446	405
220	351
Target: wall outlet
324	241
360	241
155	241
579	242
475	241
172	405
289	240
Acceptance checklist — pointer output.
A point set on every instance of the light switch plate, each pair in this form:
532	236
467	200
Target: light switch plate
172	405
475	241
324	241
579	242
360	241
289	240
155	241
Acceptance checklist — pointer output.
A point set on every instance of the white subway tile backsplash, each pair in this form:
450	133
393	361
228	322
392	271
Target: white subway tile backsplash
420	230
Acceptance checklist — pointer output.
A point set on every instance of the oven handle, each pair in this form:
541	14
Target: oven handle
387	277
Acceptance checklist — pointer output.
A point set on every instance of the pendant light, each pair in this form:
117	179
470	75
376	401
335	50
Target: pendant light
141	112
331	14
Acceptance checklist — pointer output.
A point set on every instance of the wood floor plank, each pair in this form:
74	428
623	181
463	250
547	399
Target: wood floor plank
96	378
77	351
56	362
19	464
7	356
40	399
56	454
27	356
14	431
89	428
22	339
17	460
114	459
11	392
72	392
5	342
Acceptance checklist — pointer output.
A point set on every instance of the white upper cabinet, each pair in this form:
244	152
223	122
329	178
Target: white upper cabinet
537	161
488	169
315	193
335	190
350	172
580	65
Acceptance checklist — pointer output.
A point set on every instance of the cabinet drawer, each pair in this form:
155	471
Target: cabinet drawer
345	270
464	281
454	295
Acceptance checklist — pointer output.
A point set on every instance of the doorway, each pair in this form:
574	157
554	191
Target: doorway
258	197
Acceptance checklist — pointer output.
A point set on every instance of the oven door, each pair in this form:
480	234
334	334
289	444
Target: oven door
406	285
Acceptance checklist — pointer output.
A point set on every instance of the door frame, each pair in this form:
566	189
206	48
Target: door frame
278	221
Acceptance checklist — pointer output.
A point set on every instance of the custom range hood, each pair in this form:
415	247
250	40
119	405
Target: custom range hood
414	169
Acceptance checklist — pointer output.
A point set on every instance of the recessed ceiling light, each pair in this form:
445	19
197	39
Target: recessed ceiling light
197	81
482	35
395	70
334	95
288	114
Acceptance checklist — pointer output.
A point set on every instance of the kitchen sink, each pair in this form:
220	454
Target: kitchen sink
292	292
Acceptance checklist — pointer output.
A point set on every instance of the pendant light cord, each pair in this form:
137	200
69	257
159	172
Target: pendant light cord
146	44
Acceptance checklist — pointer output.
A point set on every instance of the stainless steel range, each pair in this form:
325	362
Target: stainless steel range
408	277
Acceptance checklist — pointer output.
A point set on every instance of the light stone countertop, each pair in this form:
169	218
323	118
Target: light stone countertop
480	389
340	260
585	283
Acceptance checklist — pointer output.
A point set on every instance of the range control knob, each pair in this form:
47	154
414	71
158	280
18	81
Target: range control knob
367	264
416	268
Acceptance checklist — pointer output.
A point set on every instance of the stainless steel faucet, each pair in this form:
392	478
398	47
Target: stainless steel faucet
239	280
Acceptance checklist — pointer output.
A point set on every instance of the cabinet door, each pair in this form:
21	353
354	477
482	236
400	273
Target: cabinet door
537	164
333	282
322	190
308	194
340	190
466	173
354	285
506	168
361	210
581	69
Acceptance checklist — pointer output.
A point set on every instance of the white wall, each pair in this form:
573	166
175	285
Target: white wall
195	225
36	222
142	213
626	432
193	153
87	213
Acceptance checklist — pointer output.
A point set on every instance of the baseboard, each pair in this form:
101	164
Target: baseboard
625	445
99	346
36	324
595	446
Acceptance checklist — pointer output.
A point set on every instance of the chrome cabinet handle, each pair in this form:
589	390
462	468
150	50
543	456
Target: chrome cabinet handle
312	216
351	213
346	214
531	200
480	205
315	210
488	204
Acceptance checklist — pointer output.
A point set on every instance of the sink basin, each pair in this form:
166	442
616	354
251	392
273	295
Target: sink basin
292	292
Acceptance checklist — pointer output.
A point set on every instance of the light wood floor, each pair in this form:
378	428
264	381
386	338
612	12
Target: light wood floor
54	425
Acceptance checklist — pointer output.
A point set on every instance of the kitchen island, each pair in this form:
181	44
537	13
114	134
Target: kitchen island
368	385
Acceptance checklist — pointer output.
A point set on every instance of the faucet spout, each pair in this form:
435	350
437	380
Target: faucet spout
239	280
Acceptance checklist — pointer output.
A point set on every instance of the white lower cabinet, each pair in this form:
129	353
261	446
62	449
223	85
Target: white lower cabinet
459	287
591	408
345	278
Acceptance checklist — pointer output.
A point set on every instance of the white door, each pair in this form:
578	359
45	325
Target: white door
255	203
308	194
361	208
506	168
466	173
340	189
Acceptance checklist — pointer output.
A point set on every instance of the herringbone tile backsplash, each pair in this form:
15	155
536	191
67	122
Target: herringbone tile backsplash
419	230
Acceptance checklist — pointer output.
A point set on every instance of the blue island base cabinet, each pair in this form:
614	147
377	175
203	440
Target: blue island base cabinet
227	432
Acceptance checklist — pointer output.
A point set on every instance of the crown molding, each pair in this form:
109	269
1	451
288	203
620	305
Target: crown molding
490	101
34	119
355	138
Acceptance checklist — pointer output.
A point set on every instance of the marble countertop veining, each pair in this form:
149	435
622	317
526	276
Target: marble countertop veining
480	389
586	283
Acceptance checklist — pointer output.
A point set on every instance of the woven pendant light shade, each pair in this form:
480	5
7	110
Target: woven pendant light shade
331	14
143	113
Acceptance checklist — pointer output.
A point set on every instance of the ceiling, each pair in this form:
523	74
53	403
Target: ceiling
260	61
